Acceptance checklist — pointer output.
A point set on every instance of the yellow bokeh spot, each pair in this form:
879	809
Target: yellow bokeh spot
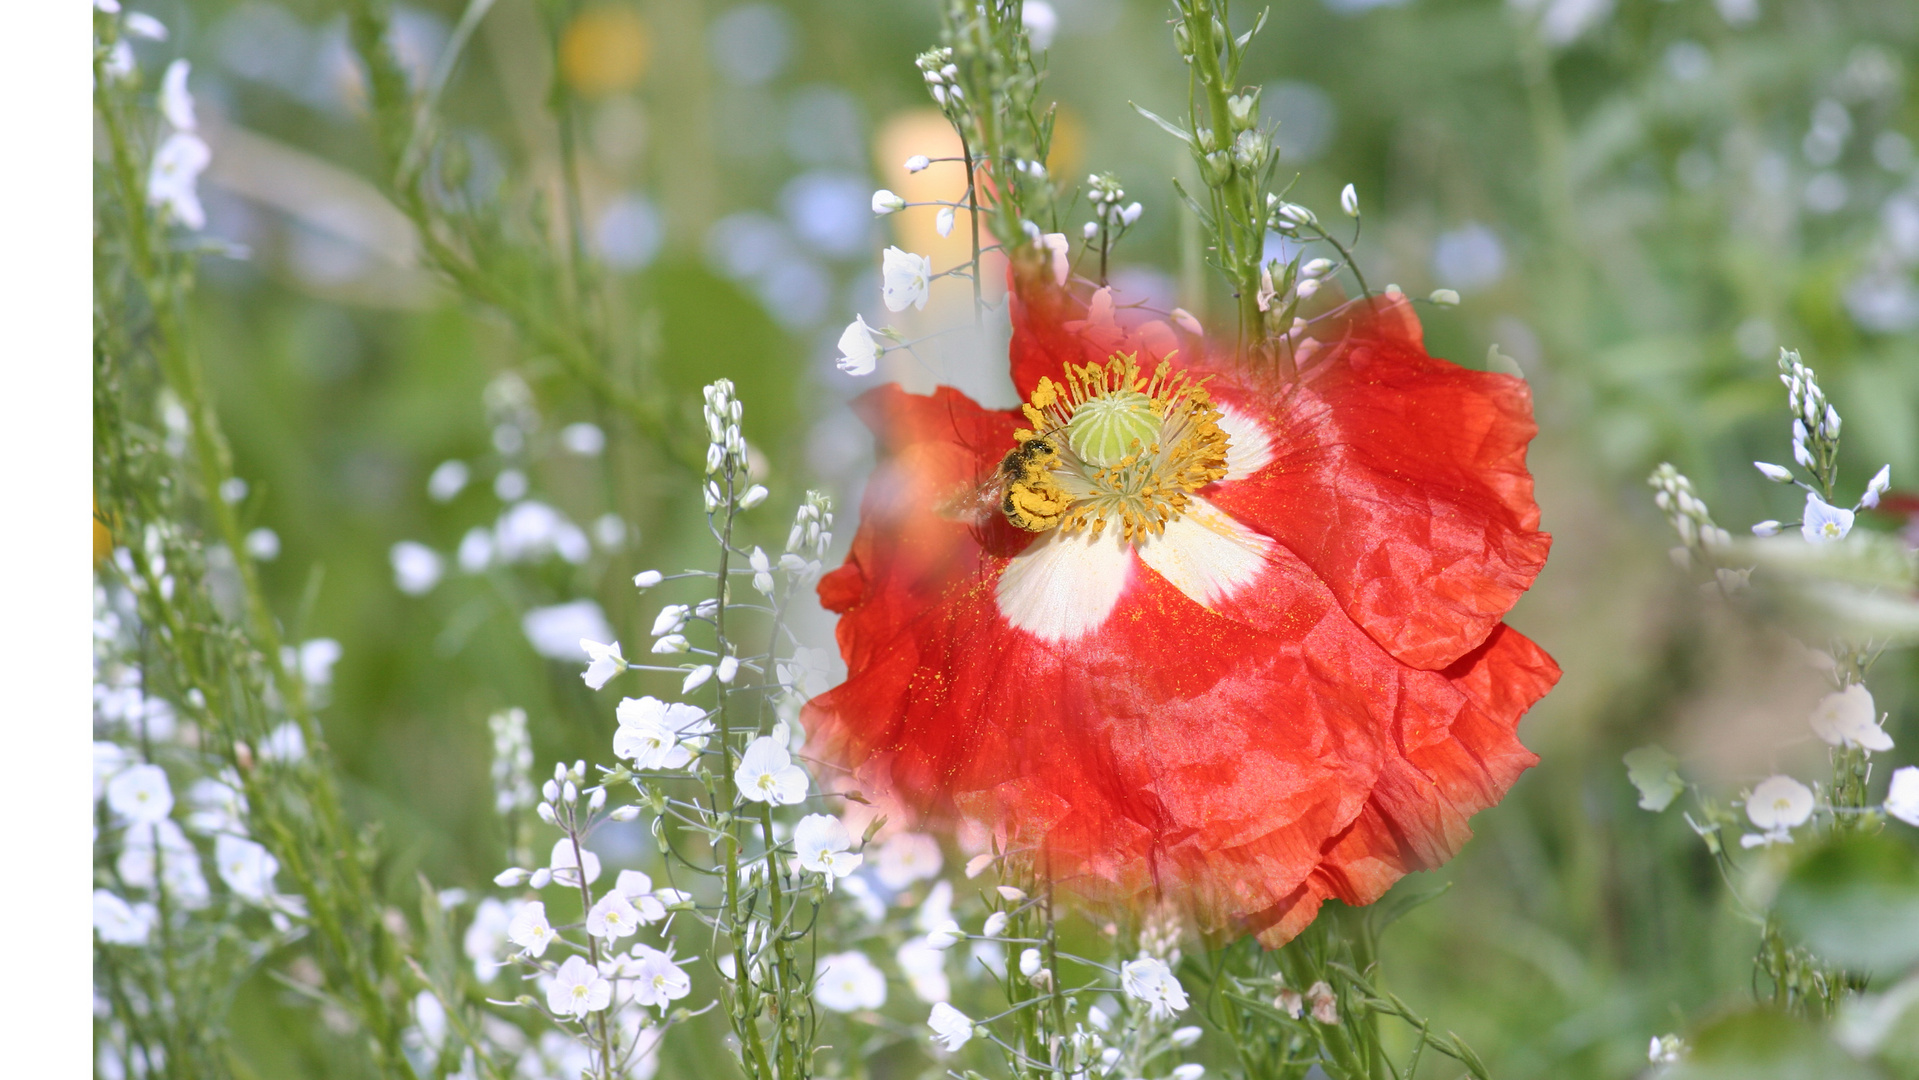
925	131
102	536
604	50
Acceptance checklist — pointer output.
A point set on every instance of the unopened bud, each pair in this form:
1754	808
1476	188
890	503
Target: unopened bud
1778	474
1445	297
646	579
754	496
624	813
546	814
1349	201
885	202
918	163
511	877
1011	895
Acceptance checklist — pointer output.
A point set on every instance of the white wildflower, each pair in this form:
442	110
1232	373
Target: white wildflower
1849	717
657	980
1824	523
656	735
823	845
1902	798
173	181
529	929
1777	805
246	867
767	774
847	982
120	923
906	858
416	567
1148	979
951	1028
603	662
578	989
613	916
141	794
906	279
885	202
176	102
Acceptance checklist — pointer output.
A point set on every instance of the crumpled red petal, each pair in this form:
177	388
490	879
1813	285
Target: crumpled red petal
1315	736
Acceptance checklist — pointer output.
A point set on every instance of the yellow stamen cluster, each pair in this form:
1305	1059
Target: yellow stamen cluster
1079	468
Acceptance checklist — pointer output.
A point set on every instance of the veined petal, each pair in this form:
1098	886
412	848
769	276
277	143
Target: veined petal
1064	586
1206	554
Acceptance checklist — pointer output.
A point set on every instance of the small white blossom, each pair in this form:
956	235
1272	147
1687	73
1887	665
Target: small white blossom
578	989
945	935
1849	717
566	870
120	923
173	181
141	794
529	929
142	25
1192	1070
447	480
1881	480
1902	798
1324	1002
727	670
656	735
1777	805
613	916
1290	1002
848	982
1148	979
246	867
906	858
416	567
951	1028
885	202
943	221
1029	962
638	890
767	774
823	845
604	662
995	925
1186	1036
1824	523
1666	1050
905	279
486	937
696	678
762	572
924	968
1040	21
859	352
670	620
918	163
657	980
671	643
176	102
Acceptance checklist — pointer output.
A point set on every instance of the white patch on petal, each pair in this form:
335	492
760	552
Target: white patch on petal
1206	554
1248	447
1064	586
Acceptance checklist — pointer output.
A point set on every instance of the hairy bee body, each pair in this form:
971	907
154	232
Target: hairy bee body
1033	500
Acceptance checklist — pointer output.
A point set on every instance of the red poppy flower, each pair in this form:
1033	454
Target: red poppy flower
1217	636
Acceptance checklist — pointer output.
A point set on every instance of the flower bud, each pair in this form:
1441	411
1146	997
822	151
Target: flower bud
1316	268
624	813
596	800
511	877
728	668
1089	230
1216	168
1249	150
754	496
1349	201
1445	297
995	924
1011	895
570	793
1130	214
541	878
1029	961
918	163
550	790
1778	474
1766	528
978	864
545	813
646	579
943	221
1242	109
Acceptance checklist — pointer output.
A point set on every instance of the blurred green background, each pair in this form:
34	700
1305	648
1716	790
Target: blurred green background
1639	200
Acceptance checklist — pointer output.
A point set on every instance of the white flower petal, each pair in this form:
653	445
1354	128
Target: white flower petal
1063	586
1249	448
1206	554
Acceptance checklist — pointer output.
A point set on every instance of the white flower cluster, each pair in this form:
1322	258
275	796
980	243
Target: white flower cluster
941	76
148	851
1108	214
1673	493
1815	447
